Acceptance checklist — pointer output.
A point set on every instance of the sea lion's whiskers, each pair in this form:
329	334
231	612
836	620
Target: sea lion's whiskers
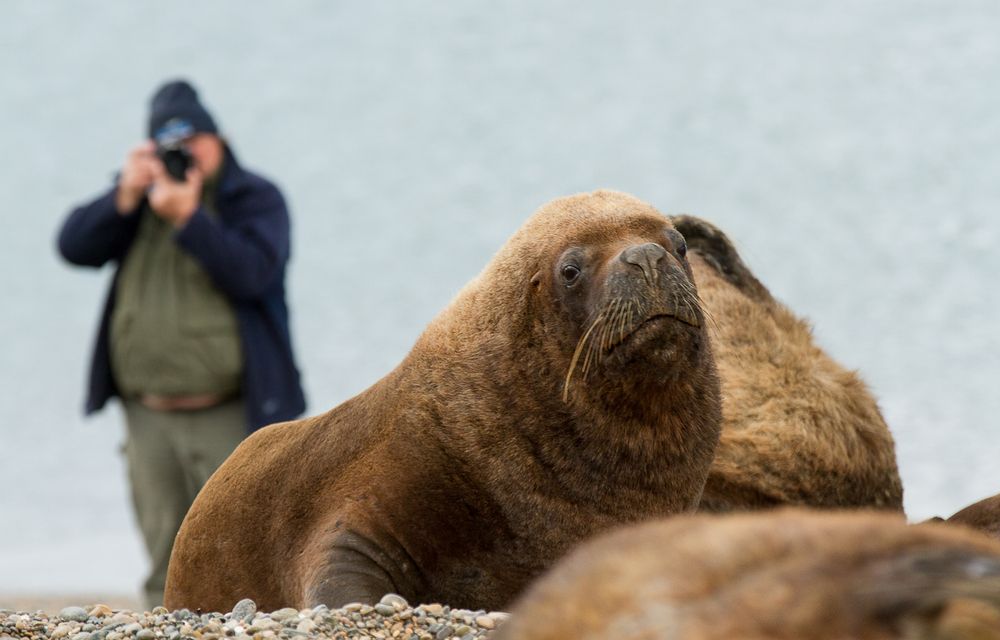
696	299
708	314
600	337
589	358
599	343
693	301
605	336
612	323
690	308
625	314
576	355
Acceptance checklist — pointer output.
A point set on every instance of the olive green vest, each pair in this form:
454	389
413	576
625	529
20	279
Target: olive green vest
172	331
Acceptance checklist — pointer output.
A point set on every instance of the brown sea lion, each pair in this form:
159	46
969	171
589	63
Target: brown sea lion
780	575
983	515
798	429
569	388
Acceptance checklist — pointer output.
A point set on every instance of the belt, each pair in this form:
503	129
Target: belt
193	402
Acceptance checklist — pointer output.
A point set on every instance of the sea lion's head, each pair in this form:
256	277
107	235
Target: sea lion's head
627	292
596	294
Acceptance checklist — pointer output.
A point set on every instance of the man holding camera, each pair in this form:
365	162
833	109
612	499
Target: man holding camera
194	337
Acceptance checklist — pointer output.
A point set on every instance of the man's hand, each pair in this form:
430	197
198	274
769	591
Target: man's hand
175	201
136	176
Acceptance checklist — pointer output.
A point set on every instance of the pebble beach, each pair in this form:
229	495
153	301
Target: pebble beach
392	617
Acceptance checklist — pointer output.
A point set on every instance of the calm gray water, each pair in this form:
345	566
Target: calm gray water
852	149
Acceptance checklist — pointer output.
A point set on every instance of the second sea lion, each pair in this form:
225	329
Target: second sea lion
798	428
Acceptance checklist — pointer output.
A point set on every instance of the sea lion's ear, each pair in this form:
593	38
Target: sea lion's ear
536	279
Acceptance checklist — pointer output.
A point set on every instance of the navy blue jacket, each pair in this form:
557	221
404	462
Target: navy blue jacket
244	251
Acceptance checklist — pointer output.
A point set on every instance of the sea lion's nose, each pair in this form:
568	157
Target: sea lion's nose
645	256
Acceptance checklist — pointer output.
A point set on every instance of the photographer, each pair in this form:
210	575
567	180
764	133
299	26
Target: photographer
194	338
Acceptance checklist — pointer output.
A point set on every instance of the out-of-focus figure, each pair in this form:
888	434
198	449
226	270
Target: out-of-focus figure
194	337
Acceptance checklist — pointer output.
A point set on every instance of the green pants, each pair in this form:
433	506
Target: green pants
170	456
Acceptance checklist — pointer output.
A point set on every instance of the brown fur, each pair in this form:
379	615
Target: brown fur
785	574
983	515
798	429
464	473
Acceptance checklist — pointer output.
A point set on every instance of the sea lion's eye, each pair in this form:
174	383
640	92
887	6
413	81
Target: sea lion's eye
570	273
682	248
676	239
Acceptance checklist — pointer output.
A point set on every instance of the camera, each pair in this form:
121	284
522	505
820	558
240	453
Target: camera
176	160
171	148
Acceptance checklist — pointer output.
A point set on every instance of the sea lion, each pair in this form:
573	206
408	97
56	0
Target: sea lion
798	429
983	515
569	388
779	575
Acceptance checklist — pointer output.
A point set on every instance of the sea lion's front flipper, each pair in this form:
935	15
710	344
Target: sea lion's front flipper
357	569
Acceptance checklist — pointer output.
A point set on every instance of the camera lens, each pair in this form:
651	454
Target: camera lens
176	160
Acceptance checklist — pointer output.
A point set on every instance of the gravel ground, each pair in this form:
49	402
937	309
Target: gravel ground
392	617
55	602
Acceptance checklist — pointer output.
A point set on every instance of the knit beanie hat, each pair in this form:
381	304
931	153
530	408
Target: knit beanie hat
177	103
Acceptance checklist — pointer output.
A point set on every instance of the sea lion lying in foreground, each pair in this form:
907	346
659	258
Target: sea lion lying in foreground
567	389
779	575
798	429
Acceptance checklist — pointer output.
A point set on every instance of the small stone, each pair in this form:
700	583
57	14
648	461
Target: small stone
132	629
159	611
77	614
461	630
385	609
284	614
499	616
244	610
354	606
433	609
265	624
144	634
486	622
395	601
306	626
100	611
319	611
82	635
444	632
366	609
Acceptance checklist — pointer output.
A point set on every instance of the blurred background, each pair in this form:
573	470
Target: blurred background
851	149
